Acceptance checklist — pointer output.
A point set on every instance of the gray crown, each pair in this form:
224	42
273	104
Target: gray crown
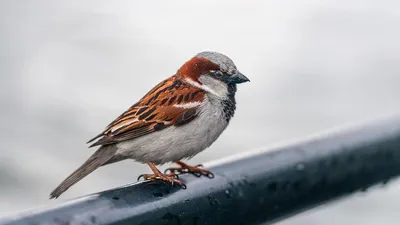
225	63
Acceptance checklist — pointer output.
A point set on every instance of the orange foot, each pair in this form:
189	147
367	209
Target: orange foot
169	178
185	168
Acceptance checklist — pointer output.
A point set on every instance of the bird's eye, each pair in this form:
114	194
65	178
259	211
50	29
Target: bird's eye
218	73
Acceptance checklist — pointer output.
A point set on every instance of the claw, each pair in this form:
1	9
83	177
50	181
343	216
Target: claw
197	170
196	174
170	178
210	175
171	170
174	175
140	176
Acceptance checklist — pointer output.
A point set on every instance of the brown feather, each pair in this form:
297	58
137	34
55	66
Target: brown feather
196	67
150	114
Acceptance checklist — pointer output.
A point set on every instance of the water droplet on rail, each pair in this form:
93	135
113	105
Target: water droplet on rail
385	182
213	201
228	193
300	167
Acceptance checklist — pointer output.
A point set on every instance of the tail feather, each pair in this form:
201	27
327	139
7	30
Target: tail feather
99	158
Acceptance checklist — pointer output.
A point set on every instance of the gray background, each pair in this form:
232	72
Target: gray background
69	67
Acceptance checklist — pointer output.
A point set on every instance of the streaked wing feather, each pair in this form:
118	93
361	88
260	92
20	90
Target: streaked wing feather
160	108
134	133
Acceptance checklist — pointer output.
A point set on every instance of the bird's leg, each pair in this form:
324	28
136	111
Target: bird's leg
185	168
170	178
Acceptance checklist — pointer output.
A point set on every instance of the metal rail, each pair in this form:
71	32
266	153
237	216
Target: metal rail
264	186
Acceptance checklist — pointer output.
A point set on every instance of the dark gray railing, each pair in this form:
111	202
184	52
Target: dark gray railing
266	186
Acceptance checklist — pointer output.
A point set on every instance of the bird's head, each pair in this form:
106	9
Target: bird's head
213	72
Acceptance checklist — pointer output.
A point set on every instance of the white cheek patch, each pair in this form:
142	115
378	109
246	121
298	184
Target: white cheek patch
201	86
218	87
211	85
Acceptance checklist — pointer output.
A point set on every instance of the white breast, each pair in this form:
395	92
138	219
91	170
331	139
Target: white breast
175	143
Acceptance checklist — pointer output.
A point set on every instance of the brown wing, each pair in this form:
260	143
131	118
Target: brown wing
171	102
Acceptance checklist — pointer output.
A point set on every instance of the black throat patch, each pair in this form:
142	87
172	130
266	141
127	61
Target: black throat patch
229	105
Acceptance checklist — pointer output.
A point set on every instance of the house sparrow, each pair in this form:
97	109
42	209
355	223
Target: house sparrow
178	118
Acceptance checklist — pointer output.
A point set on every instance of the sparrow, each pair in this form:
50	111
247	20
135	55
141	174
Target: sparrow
177	119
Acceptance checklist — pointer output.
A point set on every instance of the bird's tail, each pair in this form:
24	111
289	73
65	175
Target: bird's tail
99	158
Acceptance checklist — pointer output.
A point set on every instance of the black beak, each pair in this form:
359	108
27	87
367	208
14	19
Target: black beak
238	78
